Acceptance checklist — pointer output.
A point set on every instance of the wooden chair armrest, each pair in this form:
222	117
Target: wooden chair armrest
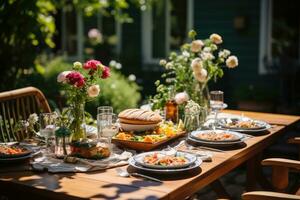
295	140
281	162
264	195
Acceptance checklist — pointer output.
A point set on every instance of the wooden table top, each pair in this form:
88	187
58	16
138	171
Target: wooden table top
108	185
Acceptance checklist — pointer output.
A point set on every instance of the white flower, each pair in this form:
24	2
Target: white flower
186	54
232	62
162	62
169	65
215	38
224	54
201	76
93	91
118	66
112	63
207	56
77	65
61	78
196	45
207	49
132	77
33	118
197	65
181	97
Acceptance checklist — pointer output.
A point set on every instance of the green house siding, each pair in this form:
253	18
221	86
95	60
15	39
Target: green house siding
217	16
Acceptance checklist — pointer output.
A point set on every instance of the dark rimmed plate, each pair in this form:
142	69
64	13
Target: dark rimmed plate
134	164
26	151
140	157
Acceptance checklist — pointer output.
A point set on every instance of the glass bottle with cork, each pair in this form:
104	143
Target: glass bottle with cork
171	107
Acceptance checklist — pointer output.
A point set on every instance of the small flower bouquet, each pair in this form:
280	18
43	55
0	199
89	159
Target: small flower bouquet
189	71
80	86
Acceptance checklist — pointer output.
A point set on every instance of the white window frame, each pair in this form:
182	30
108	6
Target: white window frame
147	26
265	36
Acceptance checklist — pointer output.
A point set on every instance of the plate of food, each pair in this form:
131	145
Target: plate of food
150	139
132	162
243	124
13	151
165	160
216	136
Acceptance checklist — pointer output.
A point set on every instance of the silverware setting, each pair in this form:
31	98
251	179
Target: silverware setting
124	173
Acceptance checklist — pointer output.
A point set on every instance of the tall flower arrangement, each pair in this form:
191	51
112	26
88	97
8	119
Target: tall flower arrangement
189	71
80	86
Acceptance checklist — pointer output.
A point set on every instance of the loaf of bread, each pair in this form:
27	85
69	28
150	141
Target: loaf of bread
139	116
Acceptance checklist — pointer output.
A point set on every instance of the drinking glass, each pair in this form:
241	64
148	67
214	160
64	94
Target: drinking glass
104	109
216	104
107	124
47	128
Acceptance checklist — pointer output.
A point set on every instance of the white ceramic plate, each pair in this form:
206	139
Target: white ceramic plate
263	127
137	127
238	136
134	164
140	160
223	123
214	144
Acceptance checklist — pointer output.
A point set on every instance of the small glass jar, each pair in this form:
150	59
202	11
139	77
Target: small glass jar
191	121
62	146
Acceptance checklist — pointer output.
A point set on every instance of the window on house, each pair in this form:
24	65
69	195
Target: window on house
164	28
279	35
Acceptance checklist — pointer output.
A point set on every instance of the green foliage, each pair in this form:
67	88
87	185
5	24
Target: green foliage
116	91
26	28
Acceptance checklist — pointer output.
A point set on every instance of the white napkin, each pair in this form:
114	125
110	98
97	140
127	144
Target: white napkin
55	165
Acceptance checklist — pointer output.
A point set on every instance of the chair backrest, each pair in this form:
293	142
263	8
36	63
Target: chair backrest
17	105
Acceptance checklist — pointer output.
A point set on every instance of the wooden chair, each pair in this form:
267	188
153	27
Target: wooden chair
16	105
280	178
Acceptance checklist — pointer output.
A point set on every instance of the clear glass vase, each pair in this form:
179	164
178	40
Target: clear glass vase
201	96
78	128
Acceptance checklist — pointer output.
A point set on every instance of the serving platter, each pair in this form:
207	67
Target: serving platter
25	151
139	159
135	165
145	146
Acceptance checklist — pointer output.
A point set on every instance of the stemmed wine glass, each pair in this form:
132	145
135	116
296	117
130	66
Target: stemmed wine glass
47	127
216	104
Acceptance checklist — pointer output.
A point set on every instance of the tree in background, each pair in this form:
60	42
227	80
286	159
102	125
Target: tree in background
27	29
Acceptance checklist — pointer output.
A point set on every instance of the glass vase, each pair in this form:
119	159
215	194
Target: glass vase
78	129
201	96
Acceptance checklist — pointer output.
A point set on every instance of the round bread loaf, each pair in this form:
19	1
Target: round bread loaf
139	116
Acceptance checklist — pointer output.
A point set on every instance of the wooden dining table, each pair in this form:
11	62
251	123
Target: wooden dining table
108	184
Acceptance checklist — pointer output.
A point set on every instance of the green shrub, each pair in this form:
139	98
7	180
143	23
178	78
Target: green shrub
117	91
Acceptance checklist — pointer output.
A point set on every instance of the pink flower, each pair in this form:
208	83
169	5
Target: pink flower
92	64
76	79
181	97
61	78
105	73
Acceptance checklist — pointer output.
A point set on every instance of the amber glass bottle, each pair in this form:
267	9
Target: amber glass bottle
171	108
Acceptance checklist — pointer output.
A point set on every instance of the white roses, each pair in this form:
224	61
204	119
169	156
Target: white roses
196	46
199	72
232	62
181	98
93	91
215	38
